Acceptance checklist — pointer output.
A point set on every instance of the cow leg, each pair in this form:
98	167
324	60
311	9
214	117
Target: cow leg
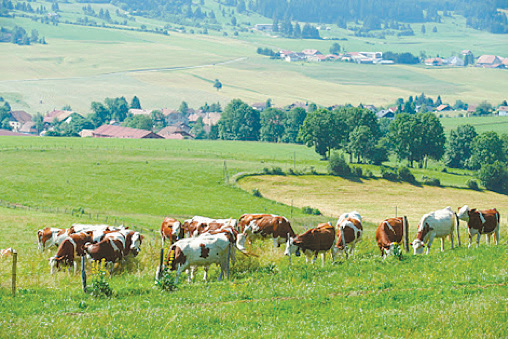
276	242
333	252
478	239
205	274
323	254
497	235
442	244
488	238
431	239
314	257
451	239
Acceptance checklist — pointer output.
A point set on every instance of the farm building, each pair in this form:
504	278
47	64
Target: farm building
18	119
503	111
443	107
57	114
109	131
490	61
7	133
174	132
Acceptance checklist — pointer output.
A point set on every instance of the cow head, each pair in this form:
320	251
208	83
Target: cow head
418	246
464	213
392	249
175	231
292	247
135	248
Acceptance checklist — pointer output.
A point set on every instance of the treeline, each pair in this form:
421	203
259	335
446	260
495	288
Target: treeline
18	35
286	29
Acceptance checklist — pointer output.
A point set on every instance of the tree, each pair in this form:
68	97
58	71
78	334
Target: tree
135	103
217	84
335	48
433	138
361	142
460	146
139	121
118	108
323	130
484	108
198	130
486	150
100	113
239	121
294	120
38	119
297	32
494	177
272	125
158	119
423	29
184	108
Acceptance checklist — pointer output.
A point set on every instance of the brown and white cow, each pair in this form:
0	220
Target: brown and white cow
171	229
204	250
6	252
349	231
314	241
480	222
436	224
50	236
274	226
199	225
111	248
69	250
246	219
389	235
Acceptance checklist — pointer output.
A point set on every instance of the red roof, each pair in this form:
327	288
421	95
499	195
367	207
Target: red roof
21	116
7	133
442	107
57	114
110	131
173	132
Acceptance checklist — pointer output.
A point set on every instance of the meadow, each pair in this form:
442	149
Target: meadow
457	293
84	64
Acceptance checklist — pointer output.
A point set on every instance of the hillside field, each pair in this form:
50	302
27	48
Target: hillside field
83	64
137	182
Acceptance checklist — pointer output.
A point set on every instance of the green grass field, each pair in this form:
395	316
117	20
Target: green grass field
84	64
442	295
481	124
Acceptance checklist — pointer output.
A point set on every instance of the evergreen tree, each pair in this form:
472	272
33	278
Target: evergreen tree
135	103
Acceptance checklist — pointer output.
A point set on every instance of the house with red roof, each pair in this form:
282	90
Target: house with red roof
18	119
110	131
489	61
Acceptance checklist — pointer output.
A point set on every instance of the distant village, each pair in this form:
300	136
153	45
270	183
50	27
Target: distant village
179	125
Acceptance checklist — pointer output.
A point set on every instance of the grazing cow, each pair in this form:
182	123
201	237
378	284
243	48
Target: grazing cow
389	234
273	226
480	222
349	231
436	224
69	250
171	229
314	241
111	248
199	225
50	236
204	250
246	219
132	242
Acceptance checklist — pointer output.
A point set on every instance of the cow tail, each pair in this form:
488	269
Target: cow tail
457	226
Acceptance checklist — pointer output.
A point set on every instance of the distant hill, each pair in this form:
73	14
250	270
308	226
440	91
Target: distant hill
370	14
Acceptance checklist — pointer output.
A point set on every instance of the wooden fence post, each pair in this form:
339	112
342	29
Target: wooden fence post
289	246
83	273
458	228
14	264
406	233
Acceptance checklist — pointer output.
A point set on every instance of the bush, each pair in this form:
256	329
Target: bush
257	193
389	174
405	174
100	286
368	173
431	181
273	171
472	184
357	171
337	165
310	210
494	177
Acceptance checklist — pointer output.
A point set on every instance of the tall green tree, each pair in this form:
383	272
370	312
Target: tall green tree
323	130
118	108
100	113
239	121
139	121
272	124
459	148
135	103
294	120
487	149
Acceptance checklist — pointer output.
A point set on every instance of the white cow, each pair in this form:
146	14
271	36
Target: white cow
204	250
349	231
437	224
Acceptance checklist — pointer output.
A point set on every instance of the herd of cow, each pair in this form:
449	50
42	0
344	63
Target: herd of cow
202	241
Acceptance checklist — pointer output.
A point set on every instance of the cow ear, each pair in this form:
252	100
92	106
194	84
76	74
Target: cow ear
141	237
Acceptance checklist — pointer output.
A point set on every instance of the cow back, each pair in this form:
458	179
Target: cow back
485	221
351	228
320	238
389	231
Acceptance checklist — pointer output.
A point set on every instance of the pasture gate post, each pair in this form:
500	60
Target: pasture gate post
14	264
406	233
83	273
161	262
289	256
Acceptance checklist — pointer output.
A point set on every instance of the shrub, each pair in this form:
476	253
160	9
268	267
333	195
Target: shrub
368	173
310	210
337	165
165	280
389	174
357	171
405	174
273	171
257	193
100	287
494	177
431	181
472	184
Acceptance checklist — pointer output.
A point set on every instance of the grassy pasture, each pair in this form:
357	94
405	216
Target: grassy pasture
441	295
84	64
481	124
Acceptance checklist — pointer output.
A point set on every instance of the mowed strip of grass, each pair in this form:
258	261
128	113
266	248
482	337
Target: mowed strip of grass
375	199
441	295
498	124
